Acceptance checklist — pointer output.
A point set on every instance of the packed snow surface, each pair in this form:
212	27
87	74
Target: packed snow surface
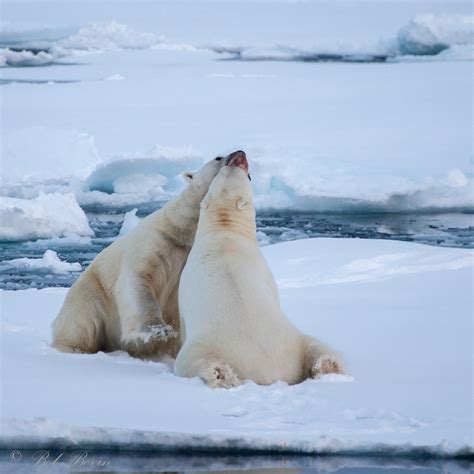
401	314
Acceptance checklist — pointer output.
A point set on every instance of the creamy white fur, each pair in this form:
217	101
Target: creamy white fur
128	296
233	328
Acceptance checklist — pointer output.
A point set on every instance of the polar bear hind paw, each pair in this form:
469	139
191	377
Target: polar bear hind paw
326	364
220	375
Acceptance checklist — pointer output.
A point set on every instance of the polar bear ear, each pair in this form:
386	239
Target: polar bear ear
240	204
188	176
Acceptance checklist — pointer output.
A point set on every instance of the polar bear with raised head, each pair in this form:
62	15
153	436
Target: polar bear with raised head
233	328
128	296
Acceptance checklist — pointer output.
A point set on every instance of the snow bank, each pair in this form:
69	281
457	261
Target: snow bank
425	35
279	180
50	261
46	216
283	181
67	161
389	324
308	183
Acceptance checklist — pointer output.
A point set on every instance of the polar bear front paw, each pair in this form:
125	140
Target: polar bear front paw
147	339
162	332
220	375
326	364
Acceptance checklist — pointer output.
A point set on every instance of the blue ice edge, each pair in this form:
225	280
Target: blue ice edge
102	439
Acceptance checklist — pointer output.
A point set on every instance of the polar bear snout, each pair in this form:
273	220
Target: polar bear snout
239	159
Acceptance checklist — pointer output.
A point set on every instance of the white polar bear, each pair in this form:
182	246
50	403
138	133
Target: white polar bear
232	326
128	296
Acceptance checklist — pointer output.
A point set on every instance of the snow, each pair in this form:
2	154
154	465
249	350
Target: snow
143	172
430	34
94	37
107	36
425	35
50	261
401	313
40	154
387	140
115	77
46	216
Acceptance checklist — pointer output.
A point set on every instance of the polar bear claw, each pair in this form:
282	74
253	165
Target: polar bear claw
326	364
154	333
220	375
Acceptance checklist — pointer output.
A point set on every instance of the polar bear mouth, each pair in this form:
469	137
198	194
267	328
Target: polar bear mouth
239	160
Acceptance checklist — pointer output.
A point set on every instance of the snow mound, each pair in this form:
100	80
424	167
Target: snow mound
115	77
151	173
46	216
26	58
107	36
44	47
50	261
432	34
29	47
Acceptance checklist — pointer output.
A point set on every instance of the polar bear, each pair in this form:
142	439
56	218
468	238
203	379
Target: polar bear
128	296
232	326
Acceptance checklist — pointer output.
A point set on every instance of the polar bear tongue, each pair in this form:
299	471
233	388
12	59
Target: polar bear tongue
238	158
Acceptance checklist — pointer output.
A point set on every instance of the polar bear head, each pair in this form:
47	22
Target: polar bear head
229	201
201	179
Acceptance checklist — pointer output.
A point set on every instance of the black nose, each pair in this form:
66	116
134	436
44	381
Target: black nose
235	154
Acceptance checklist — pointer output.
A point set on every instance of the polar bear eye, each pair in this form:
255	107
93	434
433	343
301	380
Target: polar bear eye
219	158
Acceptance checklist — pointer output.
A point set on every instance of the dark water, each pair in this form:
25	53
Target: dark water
57	462
448	230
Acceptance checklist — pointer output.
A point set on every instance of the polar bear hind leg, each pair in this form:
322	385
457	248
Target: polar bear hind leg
79	327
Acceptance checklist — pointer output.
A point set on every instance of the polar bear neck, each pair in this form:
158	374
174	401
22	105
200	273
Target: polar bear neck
215	219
